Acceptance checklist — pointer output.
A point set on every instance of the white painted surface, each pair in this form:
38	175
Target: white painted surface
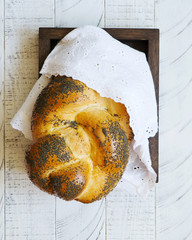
167	212
75	13
77	221
130	217
174	192
28	210
1	121
129	13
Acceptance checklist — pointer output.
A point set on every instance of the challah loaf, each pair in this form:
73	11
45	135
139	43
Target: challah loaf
80	147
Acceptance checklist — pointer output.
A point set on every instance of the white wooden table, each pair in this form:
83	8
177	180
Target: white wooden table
26	213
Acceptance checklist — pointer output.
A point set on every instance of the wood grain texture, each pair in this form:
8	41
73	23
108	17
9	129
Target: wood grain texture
22	9
153	58
30	213
75	13
78	221
2	197
129	217
174	191
129	13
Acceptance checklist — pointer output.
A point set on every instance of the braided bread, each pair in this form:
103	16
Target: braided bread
80	147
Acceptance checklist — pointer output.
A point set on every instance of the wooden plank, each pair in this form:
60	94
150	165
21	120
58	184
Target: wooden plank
129	13
30	213
2	197
21	9
153	58
129	217
174	209
79	221
118	33
134	34
44	50
75	220
75	13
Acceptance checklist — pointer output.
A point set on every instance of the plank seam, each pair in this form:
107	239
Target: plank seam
4	123
104	12
105	218
54	12
55	219
32	18
4	126
159	159
154	13
155	213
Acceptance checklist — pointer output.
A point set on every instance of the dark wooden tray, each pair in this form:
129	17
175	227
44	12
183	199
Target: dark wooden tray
145	40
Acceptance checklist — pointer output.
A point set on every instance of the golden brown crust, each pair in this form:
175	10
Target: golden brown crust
80	147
